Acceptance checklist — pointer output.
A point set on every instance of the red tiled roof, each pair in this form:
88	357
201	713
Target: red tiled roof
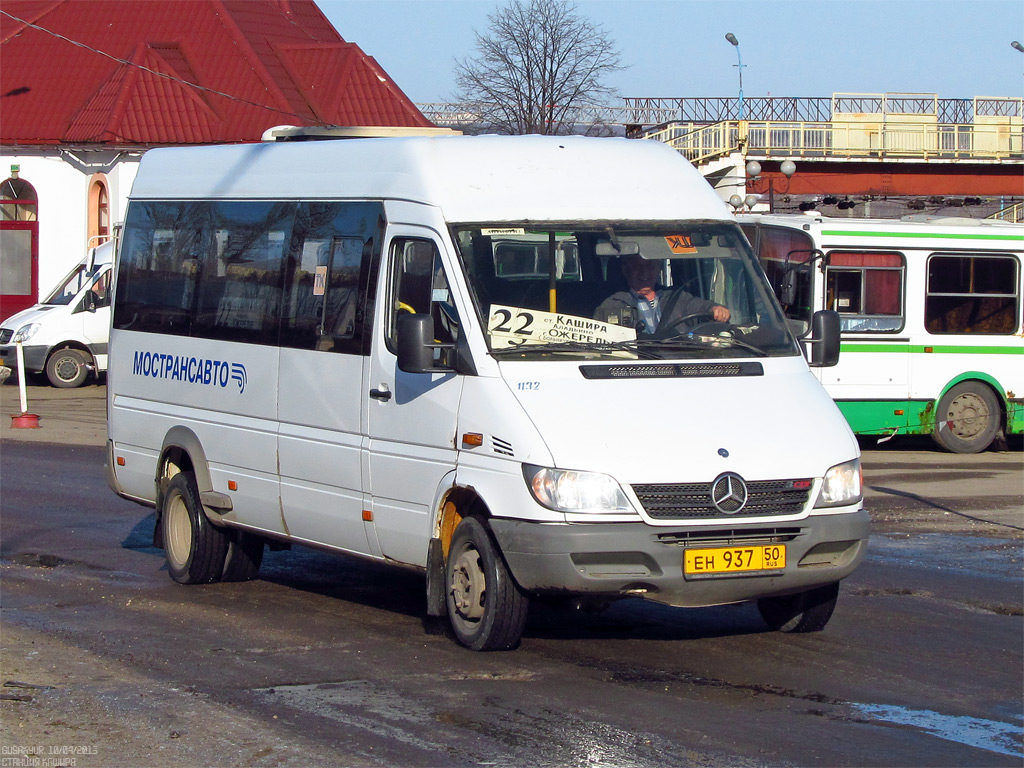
276	62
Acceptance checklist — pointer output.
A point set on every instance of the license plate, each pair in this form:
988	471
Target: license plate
734	559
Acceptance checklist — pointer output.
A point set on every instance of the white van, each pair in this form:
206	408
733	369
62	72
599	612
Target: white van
330	343
66	334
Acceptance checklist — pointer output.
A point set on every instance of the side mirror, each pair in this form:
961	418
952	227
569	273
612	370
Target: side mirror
787	291
415	340
824	339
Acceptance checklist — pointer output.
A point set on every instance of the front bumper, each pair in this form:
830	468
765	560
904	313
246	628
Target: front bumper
35	357
635	559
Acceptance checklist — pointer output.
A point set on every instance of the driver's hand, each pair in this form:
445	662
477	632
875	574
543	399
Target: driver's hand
720	313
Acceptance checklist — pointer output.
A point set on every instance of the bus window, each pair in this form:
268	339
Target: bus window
972	294
866	289
530	259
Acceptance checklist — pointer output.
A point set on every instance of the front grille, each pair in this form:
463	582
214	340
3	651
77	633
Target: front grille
5	335
730	537
693	500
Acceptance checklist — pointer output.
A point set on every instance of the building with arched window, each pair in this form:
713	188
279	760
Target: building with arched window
87	88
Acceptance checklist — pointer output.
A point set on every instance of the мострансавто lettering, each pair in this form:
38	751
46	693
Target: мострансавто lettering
194	370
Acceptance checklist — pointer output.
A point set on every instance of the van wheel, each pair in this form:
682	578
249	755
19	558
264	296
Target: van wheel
68	368
244	557
486	608
195	548
803	612
967	418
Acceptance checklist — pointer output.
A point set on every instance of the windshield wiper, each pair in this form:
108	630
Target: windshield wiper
698	339
631	345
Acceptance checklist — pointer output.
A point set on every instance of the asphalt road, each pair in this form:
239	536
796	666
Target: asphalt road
104	661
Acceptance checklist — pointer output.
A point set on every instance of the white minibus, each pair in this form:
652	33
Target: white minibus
66	334
365	346
930	312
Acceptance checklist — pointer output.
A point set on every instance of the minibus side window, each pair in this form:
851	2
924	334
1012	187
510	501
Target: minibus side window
420	285
163	246
866	289
330	252
239	290
972	293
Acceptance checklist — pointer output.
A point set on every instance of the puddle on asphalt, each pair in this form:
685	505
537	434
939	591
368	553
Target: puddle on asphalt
974	555
991	735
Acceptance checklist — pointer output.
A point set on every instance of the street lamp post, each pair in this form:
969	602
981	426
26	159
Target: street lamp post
1017	46
786	167
739	66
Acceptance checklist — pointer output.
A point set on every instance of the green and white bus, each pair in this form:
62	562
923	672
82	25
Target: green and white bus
931	318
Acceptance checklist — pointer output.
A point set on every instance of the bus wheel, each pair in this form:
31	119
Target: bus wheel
486	608
967	419
67	368
195	548
803	612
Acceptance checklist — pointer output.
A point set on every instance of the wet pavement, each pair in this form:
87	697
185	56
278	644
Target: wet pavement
324	660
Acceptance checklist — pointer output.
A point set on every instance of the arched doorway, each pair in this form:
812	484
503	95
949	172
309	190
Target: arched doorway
99	210
19	245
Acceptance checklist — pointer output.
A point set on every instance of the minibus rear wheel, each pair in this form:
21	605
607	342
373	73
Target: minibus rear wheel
195	548
968	418
486	608
803	612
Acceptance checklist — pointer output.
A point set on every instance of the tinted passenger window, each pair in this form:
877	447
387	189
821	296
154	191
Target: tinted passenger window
328	276
163	246
239	292
972	294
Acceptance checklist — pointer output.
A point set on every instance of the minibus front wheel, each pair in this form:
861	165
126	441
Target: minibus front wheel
486	608
68	368
195	548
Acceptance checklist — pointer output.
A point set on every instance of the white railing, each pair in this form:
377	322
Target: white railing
905	139
1013	215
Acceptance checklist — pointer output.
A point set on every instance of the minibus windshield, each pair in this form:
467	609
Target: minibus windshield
71	285
635	291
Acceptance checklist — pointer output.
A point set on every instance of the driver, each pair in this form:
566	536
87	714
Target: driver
646	307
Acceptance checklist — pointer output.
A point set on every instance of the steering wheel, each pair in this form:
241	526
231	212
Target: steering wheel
672	327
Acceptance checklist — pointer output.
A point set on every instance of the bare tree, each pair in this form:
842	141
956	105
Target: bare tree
539	65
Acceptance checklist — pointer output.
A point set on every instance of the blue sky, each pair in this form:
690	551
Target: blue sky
955	48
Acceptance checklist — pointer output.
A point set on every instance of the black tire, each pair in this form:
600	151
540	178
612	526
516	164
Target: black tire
244	557
486	608
68	368
967	418
195	548
803	612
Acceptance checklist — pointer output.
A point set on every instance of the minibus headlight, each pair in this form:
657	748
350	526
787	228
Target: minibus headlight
25	333
571	491
841	485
